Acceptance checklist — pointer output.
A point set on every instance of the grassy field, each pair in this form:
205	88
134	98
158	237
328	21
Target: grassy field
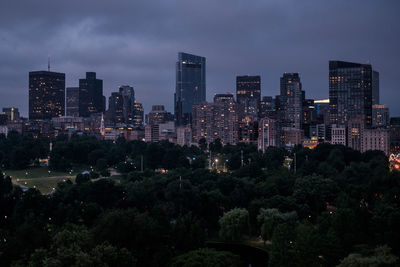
44	185
40	172
45	180
41	178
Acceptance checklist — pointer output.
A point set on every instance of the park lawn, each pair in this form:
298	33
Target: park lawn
44	185
40	172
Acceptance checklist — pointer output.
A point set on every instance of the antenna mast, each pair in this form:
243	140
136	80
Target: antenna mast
48	63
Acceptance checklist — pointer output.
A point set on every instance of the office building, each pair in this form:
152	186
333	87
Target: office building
355	129
291	100
380	116
138	115
73	101
248	93
267	107
350	91
91	99
46	95
184	135
267	133
338	135
190	86
128	103
395	135
12	113
376	139
115	112
158	115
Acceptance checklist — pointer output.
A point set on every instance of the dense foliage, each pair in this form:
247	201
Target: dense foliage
339	207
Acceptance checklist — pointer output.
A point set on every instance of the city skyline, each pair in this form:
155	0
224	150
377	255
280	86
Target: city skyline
246	42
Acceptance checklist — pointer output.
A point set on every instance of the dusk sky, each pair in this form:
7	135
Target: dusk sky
137	42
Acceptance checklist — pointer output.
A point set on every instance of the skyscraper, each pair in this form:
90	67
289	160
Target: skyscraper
138	115
351	91
91	99
12	113
375	87
46	95
115	112
73	101
291	100
190	85
128	102
248	93
218	120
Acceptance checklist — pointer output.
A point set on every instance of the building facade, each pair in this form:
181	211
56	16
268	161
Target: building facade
350	91
73	101
248	93
291	100
91	99
46	95
190	87
267	134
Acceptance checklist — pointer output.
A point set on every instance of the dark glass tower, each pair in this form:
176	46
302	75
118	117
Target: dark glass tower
375	88
351	91
248	93
291	100
190	86
46	95
91	99
73	101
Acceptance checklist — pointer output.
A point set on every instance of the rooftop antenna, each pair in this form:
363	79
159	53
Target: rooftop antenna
48	63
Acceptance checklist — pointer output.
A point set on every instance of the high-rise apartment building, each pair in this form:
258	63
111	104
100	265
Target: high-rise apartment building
73	101
217	120
190	86
248	93
351	90
268	134
91	99
46	95
291	100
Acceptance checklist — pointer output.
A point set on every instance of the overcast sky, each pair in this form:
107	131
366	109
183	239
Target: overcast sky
136	42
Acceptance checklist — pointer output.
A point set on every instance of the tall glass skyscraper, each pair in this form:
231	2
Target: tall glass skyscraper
190	86
91	99
353	88
46	95
291	100
248	93
73	101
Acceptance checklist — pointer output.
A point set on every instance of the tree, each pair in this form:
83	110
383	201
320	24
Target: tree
307	246
269	219
234	224
82	178
206	257
281	252
381	256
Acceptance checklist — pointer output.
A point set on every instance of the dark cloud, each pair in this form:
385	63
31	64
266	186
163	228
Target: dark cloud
136	43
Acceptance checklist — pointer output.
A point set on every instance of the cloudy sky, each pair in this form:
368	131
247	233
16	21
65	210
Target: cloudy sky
136	42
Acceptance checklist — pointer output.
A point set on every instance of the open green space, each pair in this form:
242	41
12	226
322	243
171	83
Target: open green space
41	177
41	172
44	185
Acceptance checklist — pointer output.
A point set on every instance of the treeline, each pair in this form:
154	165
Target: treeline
340	207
